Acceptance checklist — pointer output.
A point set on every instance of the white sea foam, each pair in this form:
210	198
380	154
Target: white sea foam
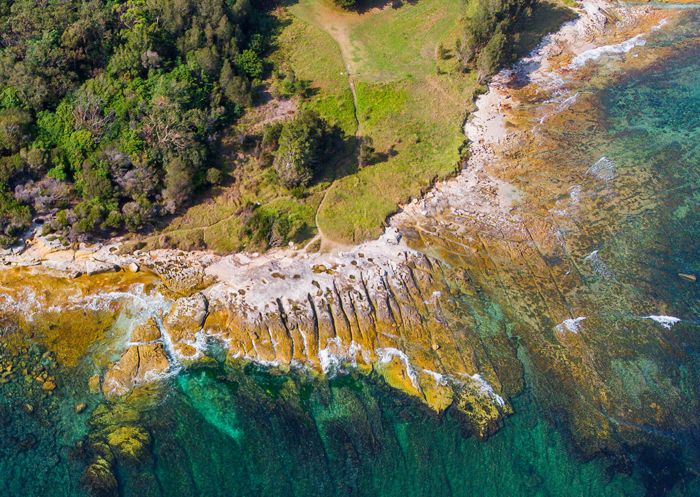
335	355
661	24
141	303
331	360
387	354
575	194
306	345
487	390
141	306
563	105
261	362
603	169
440	379
665	321
592	256
595	53
598	264
153	376
570	325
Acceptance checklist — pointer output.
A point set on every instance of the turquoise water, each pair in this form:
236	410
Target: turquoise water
219	432
232	431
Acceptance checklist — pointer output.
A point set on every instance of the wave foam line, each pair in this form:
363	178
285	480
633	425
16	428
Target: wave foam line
595	53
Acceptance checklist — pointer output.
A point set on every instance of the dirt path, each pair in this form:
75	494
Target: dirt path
339	25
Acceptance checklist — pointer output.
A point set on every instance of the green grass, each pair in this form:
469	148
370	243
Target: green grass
315	56
424	131
399	43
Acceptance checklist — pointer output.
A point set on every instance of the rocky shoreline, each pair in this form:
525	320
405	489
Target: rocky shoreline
394	305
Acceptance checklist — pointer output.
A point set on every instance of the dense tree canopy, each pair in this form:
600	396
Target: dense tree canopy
109	108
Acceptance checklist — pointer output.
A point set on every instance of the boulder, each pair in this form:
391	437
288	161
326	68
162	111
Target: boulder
93	267
184	320
146	332
99	478
129	442
139	364
153	362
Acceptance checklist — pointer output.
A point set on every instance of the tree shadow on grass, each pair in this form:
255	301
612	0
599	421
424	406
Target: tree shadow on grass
340	160
363	6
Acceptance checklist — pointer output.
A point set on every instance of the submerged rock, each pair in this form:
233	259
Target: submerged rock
99	478
94	384
129	442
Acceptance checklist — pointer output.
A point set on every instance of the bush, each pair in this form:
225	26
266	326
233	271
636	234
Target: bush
178	184
346	4
15	218
10	166
14	129
213	176
490	57
290	86
44	195
267	227
367	154
249	63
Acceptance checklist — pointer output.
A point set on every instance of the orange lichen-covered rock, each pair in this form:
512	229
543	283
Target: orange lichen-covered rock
138	364
146	332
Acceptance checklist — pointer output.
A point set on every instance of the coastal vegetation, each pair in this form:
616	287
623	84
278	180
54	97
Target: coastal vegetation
109	110
172	119
488	33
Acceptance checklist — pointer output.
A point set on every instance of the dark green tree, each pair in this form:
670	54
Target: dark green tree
301	143
14	129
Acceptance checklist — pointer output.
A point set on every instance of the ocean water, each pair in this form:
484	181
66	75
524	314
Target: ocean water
231	430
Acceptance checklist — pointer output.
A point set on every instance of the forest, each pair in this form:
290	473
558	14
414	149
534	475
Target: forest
109	110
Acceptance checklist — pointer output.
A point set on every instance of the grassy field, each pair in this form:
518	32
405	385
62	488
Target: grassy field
373	74
412	111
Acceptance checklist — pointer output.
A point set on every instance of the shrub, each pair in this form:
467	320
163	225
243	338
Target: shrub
367	154
250	63
488	31
491	56
14	219
213	176
346	4
14	129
